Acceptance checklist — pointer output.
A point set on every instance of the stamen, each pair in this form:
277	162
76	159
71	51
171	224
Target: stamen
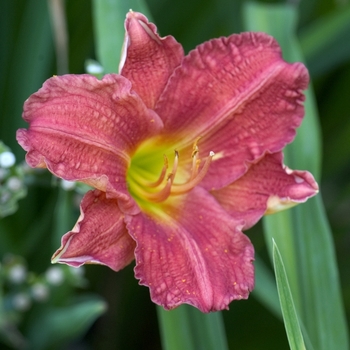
195	168
180	189
160	196
176	162
195	147
195	160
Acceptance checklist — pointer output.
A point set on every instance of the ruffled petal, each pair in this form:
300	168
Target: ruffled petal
267	187
99	236
193	252
86	129
240	97
147	59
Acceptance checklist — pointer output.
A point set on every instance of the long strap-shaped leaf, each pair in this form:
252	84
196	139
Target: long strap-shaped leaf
188	328
323	41
303	234
291	322
185	327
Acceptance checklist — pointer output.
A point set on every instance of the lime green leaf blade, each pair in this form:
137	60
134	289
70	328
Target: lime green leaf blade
187	328
265	289
295	337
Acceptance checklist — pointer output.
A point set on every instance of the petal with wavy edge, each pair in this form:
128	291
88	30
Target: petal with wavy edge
239	95
99	236
267	187
193	253
147	59
86	129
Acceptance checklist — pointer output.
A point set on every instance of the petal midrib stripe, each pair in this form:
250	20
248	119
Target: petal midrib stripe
84	138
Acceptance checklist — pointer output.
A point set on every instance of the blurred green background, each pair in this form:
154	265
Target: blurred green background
75	315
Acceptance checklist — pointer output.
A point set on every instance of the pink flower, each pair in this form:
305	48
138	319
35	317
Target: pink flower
185	152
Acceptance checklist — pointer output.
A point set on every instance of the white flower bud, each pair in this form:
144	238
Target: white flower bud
54	275
5	197
67	185
93	67
17	274
14	183
40	292
21	302
7	159
3	173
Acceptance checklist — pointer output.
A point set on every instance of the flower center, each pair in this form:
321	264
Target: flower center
143	168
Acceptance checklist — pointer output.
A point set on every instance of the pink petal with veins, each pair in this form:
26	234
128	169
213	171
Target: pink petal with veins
240	97
147	59
267	187
99	236
193	253
87	129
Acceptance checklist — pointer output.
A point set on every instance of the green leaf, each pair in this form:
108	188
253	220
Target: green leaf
26	58
64	215
62	324
295	337
109	17
187	328
265	289
302	233
325	42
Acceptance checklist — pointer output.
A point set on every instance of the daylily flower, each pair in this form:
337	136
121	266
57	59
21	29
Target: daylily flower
184	152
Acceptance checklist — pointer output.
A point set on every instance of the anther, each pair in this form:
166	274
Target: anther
183	188
195	148
175	164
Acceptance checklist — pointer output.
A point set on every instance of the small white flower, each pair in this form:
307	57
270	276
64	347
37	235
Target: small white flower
40	292
14	183
3	173
67	185
54	275
5	197
77	271
21	302
7	159
94	68
17	274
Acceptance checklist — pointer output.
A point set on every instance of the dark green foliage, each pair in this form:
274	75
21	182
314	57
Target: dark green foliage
27	59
